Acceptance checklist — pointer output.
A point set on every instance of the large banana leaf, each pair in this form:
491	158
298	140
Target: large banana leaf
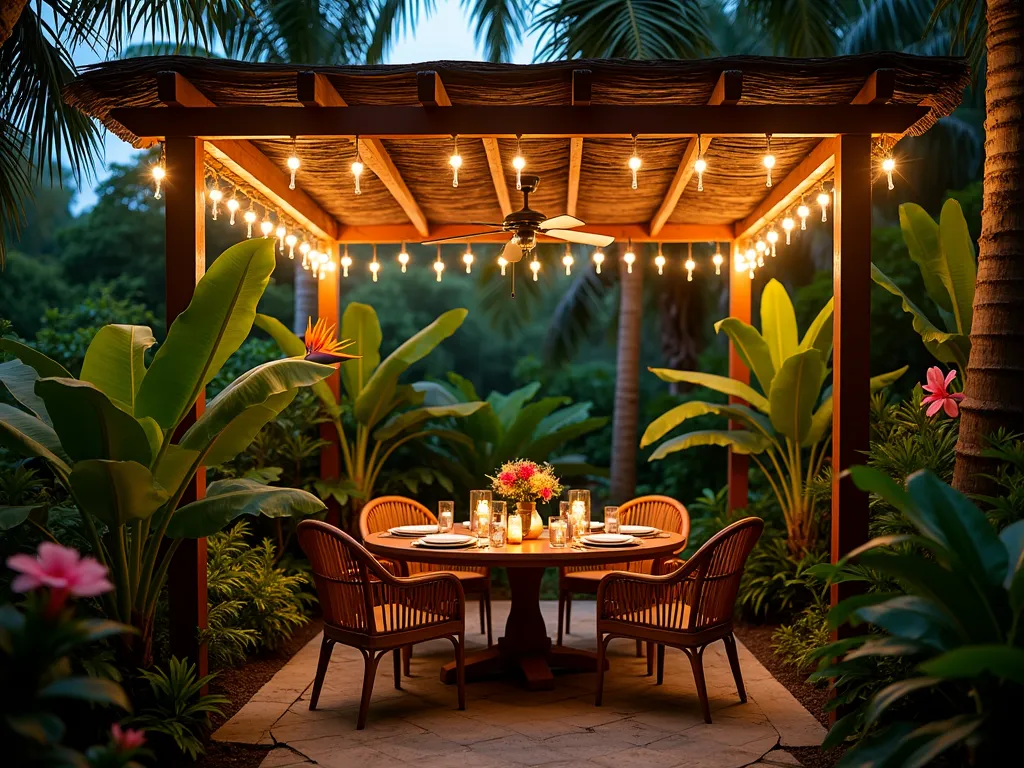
778	323
242	430
42	364
361	324
116	492
672	418
227	499
509	407
722	384
12	517
795	392
20	380
405	421
90	425
563	417
819	334
961	270
293	346
519	434
541	447
740	440
174	466
921	234
822	418
27	436
207	333
373	401
115	362
751	347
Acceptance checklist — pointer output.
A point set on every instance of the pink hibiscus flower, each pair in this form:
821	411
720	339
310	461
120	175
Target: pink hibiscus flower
526	471
61	569
939	396
127	739
545	493
506	478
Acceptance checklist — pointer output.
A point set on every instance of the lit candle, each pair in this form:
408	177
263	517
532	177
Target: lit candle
515	529
483	519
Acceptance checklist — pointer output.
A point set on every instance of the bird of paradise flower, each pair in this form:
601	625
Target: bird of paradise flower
322	344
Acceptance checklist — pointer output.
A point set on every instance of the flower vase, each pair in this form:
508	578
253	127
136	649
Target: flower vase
533	524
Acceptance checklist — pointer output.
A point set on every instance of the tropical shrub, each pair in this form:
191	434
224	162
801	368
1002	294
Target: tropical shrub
776	583
109	436
797	641
508	427
944	252
786	424
379	414
954	622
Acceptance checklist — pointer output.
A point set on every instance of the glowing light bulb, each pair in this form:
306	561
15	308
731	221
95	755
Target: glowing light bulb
374	269
717	260
290	241
304	249
598	260
215	197
159	174
439	267
787	226
313	259
634	163
567	260
740	261
346	262
768	160
803	212
760	246
689	265
823	200
700	166
293	166
659	262
502	262
280	232
455	161
888	166
467	259
233	206
357	171
629	257
519	163
403	258
535	266
250	219
266	227
773	238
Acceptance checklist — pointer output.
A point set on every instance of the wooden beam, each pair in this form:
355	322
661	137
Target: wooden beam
728	90
328	301
672	233
785	193
575	165
493	152
430	89
247	162
582	87
314	89
739	307
878	88
609	121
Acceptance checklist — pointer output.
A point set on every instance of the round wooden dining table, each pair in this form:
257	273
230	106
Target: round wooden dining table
526	645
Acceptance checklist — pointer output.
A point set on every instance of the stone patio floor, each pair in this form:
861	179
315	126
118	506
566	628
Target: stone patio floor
640	725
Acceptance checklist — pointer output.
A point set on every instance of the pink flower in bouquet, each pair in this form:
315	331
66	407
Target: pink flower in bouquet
127	739
545	493
61	569
526	471
939	396
506	478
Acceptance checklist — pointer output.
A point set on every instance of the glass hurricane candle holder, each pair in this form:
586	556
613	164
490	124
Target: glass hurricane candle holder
445	516
515	529
557	532
611	519
479	504
498	524
579	514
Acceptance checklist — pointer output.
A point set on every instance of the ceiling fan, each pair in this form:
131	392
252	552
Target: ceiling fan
524	226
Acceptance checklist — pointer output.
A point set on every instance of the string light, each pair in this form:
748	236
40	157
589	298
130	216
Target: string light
717	259
888	166
455	161
233	205
266	226
689	264
787	227
629	257
281	232
751	260
567	259
598	260
803	212
659	261
250	219
346	262
634	162
502	262
159	173
701	165
403	258
293	164
374	264
768	160
290	241
519	162
772	237
439	264
467	259
535	265
357	168
329	266
823	200
313	260
215	197
304	249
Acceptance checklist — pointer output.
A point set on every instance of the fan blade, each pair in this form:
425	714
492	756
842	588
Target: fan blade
565	221
459	238
512	252
485	223
586	238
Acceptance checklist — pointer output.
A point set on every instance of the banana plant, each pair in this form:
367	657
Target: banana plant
944	253
117	441
786	424
378	415
509	427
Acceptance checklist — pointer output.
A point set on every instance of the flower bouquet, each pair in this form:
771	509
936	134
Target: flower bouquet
526	482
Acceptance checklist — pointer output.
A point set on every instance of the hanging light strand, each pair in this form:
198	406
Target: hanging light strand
233	205
888	164
701	165
519	162
803	212
346	262
598	260
535	265
768	160
374	264
634	163
290	240
718	259
823	199
250	218
216	195
439	264
403	258
281	232
567	259
159	172
467	259
629	257
455	161
689	264
357	168
787	226
659	261
293	163
772	237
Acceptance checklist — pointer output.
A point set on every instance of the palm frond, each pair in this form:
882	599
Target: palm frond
966	19
393	18
887	25
137	50
499	25
581	310
15	184
799	27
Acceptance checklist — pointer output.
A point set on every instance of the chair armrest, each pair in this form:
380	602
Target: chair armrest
671	565
432	597
623	594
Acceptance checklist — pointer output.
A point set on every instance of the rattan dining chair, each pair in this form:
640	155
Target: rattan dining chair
662	512
365	606
688	609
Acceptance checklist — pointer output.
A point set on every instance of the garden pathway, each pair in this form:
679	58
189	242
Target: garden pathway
640	725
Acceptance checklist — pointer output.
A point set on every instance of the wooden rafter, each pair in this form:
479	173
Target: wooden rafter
582	88
728	90
247	162
672	233
315	90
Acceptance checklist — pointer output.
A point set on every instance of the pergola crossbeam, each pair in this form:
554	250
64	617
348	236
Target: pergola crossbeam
582	89
672	233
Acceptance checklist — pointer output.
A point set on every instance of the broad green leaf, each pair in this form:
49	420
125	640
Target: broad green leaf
794	393
436	393
463	385
740	440
819	335
293	346
509	408
672	418
877	482
239	433
20	380
28	436
841	730
520	432
90	425
563	417
921	234
227	499
885	646
173	469
932	739
409	419
115	362
958	259
914	618
360	323
207	333
847	609
116	492
12	517
371	405
44	366
541	447
92	689
972	661
892	693
751	347
778	323
722	384
822	418
1012	537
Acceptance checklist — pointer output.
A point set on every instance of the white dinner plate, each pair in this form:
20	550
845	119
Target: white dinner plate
597	525
412	531
608	539
447	540
638	530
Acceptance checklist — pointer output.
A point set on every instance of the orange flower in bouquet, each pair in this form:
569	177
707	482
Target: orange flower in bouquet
526	481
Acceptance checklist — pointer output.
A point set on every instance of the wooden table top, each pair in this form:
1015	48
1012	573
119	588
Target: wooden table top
533	553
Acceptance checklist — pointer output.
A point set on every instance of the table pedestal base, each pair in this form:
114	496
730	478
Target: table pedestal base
525	647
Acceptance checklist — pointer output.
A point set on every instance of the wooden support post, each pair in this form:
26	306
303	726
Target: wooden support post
185	192
328	300
739	307
851	270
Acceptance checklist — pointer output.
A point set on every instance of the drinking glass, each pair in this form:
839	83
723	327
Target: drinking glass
479	505
498	526
445	516
579	514
611	519
557	532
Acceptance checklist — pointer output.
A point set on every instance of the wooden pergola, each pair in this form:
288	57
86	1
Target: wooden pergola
827	118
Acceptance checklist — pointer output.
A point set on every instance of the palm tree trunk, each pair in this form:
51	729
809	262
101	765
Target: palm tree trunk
627	383
305	298
10	12
996	364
